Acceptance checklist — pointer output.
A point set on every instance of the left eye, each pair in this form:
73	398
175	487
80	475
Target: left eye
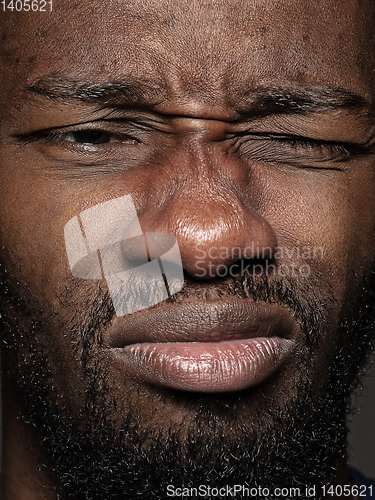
281	149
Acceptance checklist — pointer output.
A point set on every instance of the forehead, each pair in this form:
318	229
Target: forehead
203	49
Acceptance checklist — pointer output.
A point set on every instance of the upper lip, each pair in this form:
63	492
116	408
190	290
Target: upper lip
202	322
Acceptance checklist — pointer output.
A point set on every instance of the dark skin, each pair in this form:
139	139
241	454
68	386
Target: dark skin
207	67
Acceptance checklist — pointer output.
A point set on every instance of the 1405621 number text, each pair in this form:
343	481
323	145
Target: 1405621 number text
26	5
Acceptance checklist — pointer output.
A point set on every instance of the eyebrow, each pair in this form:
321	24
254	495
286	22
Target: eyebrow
258	101
129	91
280	100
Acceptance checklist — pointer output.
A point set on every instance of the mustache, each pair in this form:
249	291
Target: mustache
301	295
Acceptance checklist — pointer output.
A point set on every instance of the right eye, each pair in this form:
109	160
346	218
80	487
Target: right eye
88	137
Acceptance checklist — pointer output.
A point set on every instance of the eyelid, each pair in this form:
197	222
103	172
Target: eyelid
346	148
116	128
64	137
281	137
281	148
51	144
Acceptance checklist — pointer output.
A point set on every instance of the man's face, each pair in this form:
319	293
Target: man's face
233	126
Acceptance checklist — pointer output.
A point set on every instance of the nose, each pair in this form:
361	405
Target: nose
213	233
205	198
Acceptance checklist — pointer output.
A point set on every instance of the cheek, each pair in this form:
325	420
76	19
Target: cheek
37	202
32	215
326	218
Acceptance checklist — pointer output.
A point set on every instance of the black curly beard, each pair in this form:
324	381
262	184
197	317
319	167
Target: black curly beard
297	444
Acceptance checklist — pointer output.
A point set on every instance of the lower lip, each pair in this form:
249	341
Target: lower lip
206	366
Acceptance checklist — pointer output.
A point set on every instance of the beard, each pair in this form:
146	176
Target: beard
109	449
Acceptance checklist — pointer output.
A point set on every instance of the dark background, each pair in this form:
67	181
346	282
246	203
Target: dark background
362	438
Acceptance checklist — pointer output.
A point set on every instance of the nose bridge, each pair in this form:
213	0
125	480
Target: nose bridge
199	156
207	130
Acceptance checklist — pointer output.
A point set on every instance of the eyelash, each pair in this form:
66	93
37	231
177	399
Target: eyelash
335	147
63	137
296	141
276	148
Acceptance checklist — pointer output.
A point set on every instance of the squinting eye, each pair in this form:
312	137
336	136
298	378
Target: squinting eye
294	150
88	137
